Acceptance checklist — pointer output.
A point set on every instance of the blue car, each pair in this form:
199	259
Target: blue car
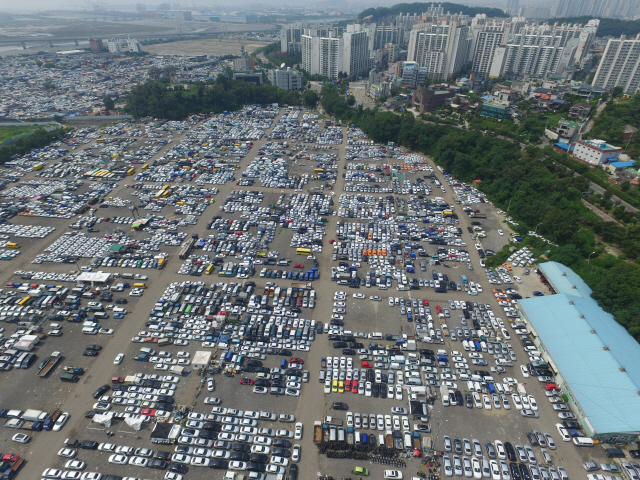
118	315
538	294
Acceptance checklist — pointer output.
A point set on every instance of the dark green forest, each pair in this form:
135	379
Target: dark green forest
159	99
386	13
37	139
609	27
539	190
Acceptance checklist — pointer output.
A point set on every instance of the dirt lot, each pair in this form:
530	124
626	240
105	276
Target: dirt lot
205	47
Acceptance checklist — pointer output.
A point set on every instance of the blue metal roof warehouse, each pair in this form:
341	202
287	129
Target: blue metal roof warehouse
596	360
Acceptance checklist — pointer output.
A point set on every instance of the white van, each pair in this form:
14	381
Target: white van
119	310
90	330
470	386
375	336
101	315
465	345
583	442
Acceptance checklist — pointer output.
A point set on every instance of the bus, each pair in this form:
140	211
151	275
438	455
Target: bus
303	251
24	301
145	166
209	269
166	193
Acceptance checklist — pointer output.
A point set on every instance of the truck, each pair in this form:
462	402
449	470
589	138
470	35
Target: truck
48	364
350	435
323	362
333	421
397	441
415	438
51	420
10	467
388	439
74	370
22	424
477	215
521	389
317	431
31	415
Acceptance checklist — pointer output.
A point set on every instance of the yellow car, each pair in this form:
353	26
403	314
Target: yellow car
340	386
334	386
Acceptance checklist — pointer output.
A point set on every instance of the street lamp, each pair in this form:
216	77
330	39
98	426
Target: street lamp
536	229
589	259
509	206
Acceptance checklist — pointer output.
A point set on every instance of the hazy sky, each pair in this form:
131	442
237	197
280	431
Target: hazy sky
35	5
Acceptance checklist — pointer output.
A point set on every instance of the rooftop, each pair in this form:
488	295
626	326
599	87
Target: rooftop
597	357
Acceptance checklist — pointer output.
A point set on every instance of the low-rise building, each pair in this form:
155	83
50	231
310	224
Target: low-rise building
580	110
428	99
596	152
496	109
568	131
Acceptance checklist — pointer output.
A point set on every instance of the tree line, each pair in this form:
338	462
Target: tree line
160	99
38	139
538	191
385	13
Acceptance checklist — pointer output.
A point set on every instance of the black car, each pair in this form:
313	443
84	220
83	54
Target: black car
94	347
524	471
515	471
259	458
240	456
459	400
89	445
256	467
162	455
164	406
340	406
294	372
375	390
91	413
371	376
281	442
383	390
634	453
285	353
533	439
208	434
218	464
348	351
280	452
262	383
241	447
101	391
90	353
157	464
178	468
333	336
121	301
293	472
511	453
339	344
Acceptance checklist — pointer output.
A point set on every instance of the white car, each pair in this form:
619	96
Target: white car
67	453
119	359
212	401
393	475
358	295
62	419
298	431
21	438
119	459
500	232
295	455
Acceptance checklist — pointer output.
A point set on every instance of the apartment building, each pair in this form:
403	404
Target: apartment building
620	65
286	79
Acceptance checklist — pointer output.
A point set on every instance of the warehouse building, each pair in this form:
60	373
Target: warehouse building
595	360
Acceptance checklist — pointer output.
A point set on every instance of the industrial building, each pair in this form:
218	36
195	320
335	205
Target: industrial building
596	152
286	79
595	360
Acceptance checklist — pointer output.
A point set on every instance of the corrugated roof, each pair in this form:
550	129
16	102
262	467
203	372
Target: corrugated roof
575	331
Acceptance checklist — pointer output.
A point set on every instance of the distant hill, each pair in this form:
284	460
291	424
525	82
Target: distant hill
386	13
609	27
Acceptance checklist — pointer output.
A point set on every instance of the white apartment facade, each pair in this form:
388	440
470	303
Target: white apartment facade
620	65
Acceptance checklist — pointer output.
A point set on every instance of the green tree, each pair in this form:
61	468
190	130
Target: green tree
309	97
109	104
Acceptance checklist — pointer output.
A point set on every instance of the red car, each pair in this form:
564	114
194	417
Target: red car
366	365
9	457
246	381
298	265
550	386
347	386
354	386
148	411
296	360
425	302
331	241
438	309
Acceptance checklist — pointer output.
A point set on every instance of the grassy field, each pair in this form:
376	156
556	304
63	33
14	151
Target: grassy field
8	132
205	47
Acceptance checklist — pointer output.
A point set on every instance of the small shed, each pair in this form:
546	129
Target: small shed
117	248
